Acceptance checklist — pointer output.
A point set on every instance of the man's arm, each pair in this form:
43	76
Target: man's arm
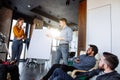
88	74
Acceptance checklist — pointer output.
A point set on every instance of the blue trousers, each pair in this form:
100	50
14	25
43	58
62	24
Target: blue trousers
16	49
62	52
59	74
64	67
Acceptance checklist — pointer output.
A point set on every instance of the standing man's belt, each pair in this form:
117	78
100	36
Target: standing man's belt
64	44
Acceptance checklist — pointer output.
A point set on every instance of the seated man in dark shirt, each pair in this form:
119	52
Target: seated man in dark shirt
106	71
9	67
82	62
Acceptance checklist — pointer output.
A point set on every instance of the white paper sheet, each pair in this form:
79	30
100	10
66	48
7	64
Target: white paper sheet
40	45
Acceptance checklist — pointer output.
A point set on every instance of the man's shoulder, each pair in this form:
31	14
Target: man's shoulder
67	27
110	76
116	75
90	58
84	55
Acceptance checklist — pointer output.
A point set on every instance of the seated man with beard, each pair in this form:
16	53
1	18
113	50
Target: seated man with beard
82	62
106	70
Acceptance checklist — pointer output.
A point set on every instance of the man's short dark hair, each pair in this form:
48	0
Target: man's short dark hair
94	48
111	59
63	19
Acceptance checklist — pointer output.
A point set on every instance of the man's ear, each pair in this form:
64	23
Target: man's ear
105	65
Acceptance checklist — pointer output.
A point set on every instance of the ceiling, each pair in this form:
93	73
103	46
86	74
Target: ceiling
49	10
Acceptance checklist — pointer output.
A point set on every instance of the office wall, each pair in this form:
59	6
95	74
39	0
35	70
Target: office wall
99	28
103	26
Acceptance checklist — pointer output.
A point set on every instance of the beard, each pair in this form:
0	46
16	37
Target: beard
101	67
87	54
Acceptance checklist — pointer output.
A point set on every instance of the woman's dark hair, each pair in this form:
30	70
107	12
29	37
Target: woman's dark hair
94	48
111	60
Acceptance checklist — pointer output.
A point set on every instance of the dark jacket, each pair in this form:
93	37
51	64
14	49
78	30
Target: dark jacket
109	76
3	72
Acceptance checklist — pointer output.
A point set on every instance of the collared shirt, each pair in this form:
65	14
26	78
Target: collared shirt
66	33
95	76
86	62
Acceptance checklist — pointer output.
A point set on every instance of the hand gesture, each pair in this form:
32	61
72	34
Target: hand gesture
77	60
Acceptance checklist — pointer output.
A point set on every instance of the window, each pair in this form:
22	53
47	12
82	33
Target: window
11	41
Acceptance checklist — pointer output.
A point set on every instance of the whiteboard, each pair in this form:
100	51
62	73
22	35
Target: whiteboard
40	45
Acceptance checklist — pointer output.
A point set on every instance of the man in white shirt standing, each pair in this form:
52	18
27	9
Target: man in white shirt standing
65	38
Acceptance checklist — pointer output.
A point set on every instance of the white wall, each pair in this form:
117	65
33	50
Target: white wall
103	25
99	28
